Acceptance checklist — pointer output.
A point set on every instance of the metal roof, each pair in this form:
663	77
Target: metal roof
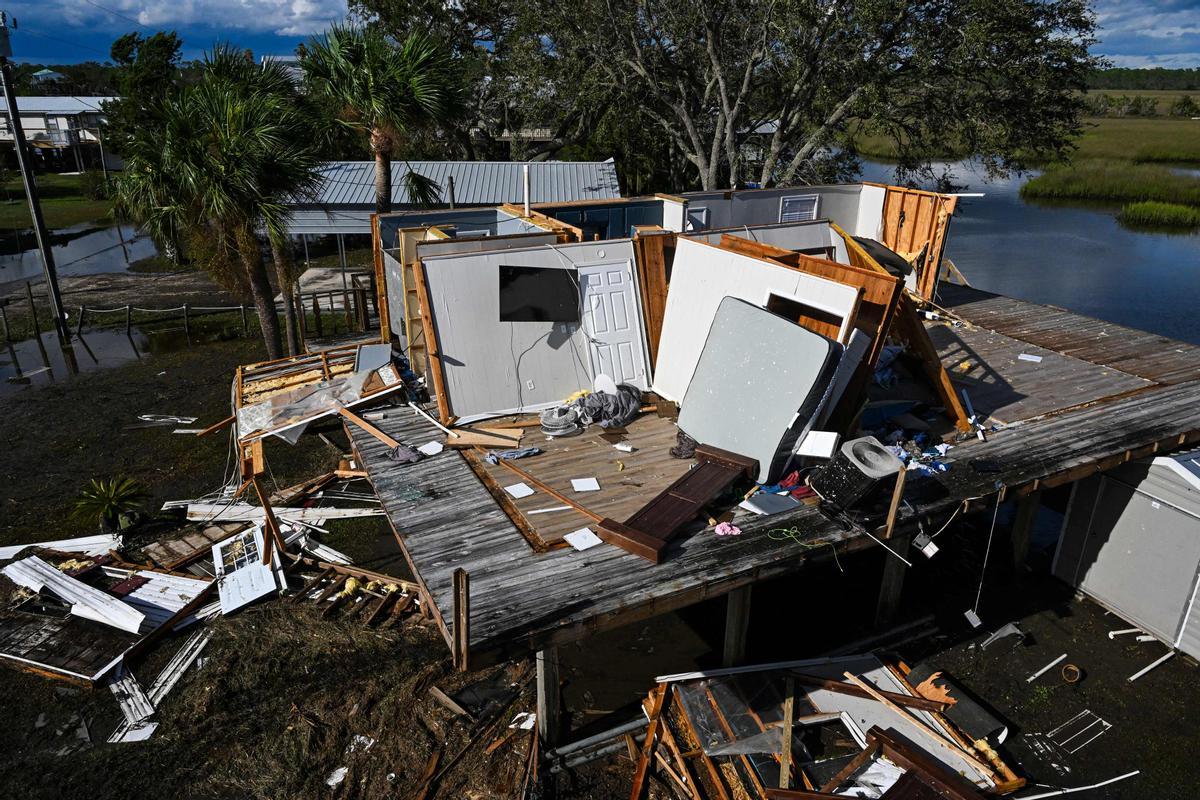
352	183
35	104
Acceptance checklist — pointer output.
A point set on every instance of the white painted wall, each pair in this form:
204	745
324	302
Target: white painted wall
790	236
493	367
700	277
674	215
870	213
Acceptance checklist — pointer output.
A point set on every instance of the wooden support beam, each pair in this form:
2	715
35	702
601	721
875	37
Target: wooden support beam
892	582
924	729
789	711
737	623
432	348
894	508
549	697
642	771
383	438
272	524
462	619
841	687
909	328
216	426
1022	528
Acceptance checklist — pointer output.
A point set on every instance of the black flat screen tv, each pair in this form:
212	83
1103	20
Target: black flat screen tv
538	294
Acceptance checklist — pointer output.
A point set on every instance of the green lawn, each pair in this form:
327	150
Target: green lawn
63	203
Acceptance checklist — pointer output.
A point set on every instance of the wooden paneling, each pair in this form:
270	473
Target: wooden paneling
654	250
916	221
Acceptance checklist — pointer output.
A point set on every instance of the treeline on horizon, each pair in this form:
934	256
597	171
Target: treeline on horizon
1145	79
96	78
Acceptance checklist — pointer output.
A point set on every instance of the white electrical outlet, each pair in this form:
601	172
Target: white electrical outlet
529	384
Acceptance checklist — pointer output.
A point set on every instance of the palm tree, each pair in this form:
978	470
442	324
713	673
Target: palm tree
220	166
384	91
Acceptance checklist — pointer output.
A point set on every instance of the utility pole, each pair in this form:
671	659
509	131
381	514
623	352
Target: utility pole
35	207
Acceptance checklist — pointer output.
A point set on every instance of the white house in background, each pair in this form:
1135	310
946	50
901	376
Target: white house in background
58	124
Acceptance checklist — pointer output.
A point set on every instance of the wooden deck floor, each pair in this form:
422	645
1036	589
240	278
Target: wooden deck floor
627	480
1146	355
1006	388
520	600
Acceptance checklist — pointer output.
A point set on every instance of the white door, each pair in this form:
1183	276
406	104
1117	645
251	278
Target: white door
612	323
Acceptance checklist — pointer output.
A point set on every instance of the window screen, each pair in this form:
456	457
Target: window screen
538	294
798	208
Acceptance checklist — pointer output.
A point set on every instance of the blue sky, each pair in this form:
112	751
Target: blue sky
1134	33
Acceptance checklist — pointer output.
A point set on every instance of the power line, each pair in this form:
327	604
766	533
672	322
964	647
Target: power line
116	13
64	41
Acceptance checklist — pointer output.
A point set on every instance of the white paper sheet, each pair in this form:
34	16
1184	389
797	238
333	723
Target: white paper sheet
518	490
585	484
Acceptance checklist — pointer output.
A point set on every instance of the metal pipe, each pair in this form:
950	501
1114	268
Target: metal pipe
1047	668
1150	666
598	738
525	184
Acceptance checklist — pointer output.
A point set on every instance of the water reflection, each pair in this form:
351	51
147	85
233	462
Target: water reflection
78	250
42	360
1075	257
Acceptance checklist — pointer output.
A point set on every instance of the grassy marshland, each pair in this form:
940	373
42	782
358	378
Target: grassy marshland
1115	181
1151	214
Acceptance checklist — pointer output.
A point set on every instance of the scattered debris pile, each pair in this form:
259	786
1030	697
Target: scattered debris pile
851	726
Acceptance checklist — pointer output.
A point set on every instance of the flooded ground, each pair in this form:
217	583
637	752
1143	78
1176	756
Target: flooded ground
43	361
87	249
1079	258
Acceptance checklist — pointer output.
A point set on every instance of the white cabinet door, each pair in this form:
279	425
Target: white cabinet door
612	322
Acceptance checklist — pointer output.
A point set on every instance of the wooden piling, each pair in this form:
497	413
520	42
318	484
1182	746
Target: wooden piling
317	315
79	326
245	321
128	320
187	332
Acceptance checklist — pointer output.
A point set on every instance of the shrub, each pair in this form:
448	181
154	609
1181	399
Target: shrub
1185	106
94	185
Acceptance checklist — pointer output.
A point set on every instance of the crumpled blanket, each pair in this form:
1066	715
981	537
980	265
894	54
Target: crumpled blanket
509	455
610	410
405	454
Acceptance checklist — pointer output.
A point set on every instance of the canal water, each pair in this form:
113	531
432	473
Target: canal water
1079	258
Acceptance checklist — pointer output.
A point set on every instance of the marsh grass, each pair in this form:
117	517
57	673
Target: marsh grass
1114	181
1151	214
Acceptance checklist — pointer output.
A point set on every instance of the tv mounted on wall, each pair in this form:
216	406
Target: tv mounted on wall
538	294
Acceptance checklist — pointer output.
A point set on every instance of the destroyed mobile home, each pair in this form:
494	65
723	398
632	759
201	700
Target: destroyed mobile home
584	415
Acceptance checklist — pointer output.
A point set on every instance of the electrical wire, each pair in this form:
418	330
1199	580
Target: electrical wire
986	553
116	13
66	42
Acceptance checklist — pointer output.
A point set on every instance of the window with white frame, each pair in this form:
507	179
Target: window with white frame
798	208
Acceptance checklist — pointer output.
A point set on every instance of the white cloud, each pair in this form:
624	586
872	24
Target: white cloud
281	17
1168	61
